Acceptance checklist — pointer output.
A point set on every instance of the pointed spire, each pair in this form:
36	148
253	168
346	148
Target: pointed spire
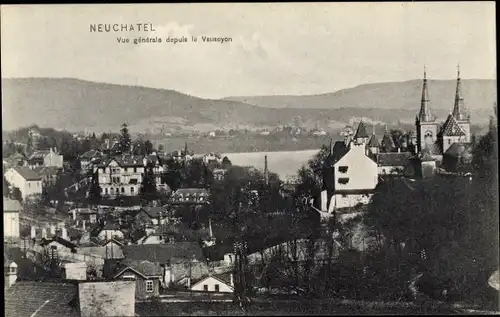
331	146
425	114
459	111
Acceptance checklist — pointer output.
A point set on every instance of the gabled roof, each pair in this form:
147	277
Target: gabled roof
59	240
338	151
432	149
393	159
144	268
40	154
154	212
27	173
11	205
459	149
41	299
361	132
374	142
451	127
164	252
90	154
217	277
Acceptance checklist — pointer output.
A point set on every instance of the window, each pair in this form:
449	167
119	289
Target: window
149	286
112	190
123	190
343	180
125	169
343	169
102	189
205	287
135	169
131	190
106	191
217	287
29	185
449	141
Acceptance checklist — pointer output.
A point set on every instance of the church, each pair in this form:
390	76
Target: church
450	141
354	166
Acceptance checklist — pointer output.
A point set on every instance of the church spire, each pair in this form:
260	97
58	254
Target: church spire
459	111
425	114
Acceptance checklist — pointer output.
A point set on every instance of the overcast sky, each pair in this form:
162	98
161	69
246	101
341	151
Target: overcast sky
287	48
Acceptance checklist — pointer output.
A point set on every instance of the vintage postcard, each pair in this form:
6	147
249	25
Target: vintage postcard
250	159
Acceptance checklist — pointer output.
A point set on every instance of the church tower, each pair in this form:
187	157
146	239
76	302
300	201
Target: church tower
459	111
425	122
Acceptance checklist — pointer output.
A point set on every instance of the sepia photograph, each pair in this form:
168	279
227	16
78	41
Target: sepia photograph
241	159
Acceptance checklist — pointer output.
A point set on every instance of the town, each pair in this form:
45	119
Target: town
109	225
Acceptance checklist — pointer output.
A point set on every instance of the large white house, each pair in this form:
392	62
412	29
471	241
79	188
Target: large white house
351	173
11	209
27	180
123	175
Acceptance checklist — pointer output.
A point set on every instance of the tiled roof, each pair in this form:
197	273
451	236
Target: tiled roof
374	142
154	212
143	267
393	159
11	205
432	149
46	299
361	132
192	192
46	170
38	154
111	226
451	127
90	154
27	173
163	253
459	149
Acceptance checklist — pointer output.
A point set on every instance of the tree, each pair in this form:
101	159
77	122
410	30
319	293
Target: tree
148	189
5	187
148	147
125	140
16	194
226	163
95	189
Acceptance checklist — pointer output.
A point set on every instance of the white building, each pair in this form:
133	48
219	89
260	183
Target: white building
215	283
11	209
123	175
24	178
352	173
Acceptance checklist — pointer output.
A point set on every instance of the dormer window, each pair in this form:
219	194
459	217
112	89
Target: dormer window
343	169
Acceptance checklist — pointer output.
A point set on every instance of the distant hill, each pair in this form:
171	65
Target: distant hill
76	105
479	94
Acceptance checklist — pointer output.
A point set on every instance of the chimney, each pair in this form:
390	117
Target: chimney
52	229
33	232
266	172
12	275
324	200
64	233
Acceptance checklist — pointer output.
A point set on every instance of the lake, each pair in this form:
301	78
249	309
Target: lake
283	163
